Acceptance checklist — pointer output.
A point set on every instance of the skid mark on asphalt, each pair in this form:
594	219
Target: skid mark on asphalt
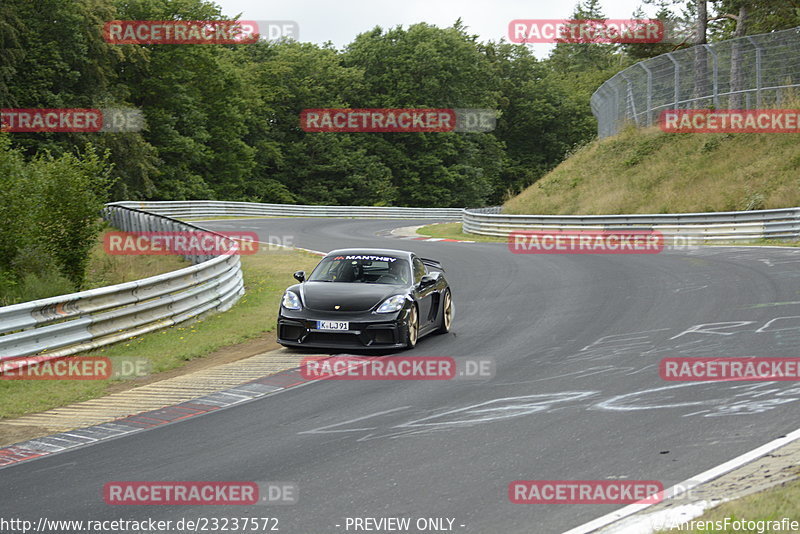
689	288
731	400
617	354
468	416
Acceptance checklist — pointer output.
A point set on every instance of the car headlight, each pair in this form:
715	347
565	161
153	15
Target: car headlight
392	304
291	301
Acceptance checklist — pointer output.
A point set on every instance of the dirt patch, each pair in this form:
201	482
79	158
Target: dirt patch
10	434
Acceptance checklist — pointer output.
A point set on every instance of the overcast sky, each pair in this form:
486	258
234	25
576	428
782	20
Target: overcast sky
340	21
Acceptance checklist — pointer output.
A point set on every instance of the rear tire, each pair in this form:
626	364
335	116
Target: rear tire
412	332
446	320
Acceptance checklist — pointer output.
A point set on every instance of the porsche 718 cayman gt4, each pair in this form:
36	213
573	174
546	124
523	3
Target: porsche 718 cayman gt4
366	298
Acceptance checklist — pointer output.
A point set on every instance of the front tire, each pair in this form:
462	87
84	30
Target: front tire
446	320
412	330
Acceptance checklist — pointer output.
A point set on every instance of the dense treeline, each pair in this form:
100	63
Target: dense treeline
222	120
49	220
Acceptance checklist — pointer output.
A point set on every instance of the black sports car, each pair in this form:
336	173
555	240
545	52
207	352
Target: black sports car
359	298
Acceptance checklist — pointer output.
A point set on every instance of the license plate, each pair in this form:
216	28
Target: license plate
333	325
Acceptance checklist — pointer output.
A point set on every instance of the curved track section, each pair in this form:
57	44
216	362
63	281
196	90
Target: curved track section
576	340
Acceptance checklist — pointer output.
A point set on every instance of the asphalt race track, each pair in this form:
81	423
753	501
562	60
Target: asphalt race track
576	340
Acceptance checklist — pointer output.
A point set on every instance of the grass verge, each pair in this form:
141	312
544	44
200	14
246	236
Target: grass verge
650	171
106	269
454	231
266	275
770	505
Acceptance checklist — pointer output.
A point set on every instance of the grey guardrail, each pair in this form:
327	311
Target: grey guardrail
60	326
189	209
712	226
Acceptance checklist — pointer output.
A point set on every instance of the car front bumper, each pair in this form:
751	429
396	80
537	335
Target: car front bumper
367	330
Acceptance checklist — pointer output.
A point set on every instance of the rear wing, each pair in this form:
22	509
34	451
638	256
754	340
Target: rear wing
432	263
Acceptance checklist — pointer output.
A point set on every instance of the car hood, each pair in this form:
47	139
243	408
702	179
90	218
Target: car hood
350	297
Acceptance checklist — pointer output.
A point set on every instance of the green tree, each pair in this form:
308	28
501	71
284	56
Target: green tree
578	69
675	31
53	56
576	57
70	193
196	103
428	67
539	121
49	212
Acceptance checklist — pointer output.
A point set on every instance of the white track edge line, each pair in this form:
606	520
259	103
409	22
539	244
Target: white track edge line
688	484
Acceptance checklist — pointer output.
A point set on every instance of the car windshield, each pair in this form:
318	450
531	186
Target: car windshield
364	269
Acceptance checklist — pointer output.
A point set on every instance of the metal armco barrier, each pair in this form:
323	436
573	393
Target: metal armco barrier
214	208
60	326
55	327
713	226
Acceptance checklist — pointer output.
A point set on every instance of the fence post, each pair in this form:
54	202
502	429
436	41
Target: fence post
677	92
643	64
630	104
715	62
758	71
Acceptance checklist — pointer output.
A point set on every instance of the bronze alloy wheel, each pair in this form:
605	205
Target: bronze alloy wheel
447	314
413	328
448	311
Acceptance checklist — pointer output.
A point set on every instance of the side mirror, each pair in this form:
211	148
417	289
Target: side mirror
300	276
428	280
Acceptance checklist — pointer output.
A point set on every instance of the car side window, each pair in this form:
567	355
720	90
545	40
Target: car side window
419	270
